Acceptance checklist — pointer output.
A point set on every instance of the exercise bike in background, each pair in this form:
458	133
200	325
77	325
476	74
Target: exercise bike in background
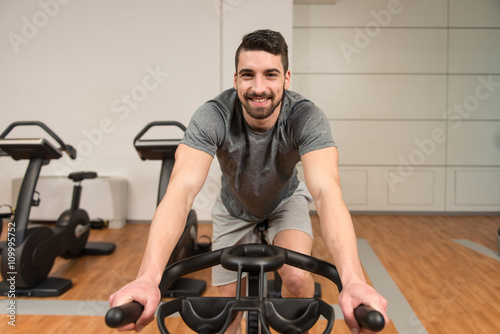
6	212
30	251
163	150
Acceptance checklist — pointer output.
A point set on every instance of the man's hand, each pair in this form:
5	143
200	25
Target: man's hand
143	292
355	294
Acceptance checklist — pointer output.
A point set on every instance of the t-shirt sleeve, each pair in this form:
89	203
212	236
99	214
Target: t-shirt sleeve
205	131
315	132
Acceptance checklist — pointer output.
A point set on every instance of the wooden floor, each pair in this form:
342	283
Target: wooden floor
451	289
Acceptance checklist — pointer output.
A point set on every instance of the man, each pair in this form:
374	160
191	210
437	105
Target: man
259	131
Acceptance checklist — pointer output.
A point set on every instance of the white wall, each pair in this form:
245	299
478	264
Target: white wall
412	91
74	64
85	68
249	16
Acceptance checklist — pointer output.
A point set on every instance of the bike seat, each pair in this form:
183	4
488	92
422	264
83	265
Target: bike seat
79	176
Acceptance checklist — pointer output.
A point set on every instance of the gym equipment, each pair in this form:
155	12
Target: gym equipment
214	314
498	238
164	150
30	251
274	286
4	215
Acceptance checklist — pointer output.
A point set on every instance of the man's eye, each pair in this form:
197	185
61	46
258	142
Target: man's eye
271	75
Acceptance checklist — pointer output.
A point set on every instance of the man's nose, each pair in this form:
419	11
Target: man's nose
259	86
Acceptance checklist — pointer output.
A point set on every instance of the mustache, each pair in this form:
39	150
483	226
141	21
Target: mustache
258	96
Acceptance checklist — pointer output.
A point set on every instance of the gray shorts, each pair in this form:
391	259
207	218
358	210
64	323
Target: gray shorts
291	214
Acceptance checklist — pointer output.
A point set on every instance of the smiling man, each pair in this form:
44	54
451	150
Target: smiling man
259	131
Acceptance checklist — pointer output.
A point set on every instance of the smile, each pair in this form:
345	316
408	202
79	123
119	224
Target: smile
259	100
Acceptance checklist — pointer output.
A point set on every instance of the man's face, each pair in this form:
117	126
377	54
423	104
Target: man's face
260	81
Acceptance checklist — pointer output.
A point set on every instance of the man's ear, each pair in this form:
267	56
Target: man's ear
288	75
235	81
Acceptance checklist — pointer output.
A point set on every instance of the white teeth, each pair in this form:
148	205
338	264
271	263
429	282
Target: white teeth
259	100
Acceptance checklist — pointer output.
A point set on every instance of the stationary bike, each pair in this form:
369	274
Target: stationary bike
164	150
6	213
208	315
30	251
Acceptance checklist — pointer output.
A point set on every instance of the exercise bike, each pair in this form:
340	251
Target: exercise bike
208	315
30	251
4	214
498	238
164	151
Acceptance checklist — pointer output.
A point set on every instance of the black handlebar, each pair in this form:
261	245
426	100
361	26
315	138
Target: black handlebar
124	314
64	147
241	258
369	318
128	313
158	123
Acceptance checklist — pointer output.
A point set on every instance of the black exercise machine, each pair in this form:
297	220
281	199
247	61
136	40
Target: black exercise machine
164	150
274	285
208	315
498	238
30	251
4	214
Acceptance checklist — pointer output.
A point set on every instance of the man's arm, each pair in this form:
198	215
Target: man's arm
322	179
188	176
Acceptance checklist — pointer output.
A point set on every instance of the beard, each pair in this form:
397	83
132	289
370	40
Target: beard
260	113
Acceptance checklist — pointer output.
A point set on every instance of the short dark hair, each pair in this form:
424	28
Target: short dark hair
264	40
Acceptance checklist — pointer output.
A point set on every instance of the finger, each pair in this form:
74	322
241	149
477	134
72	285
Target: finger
111	300
345	304
353	326
129	327
115	301
147	315
351	321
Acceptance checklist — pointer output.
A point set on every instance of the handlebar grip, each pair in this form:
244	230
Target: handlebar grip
124	314
71	151
68	148
369	318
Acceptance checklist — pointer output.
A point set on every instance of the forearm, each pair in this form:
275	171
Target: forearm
166	228
340	238
322	177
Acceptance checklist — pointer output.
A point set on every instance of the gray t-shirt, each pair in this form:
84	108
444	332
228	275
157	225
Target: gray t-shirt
258	169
